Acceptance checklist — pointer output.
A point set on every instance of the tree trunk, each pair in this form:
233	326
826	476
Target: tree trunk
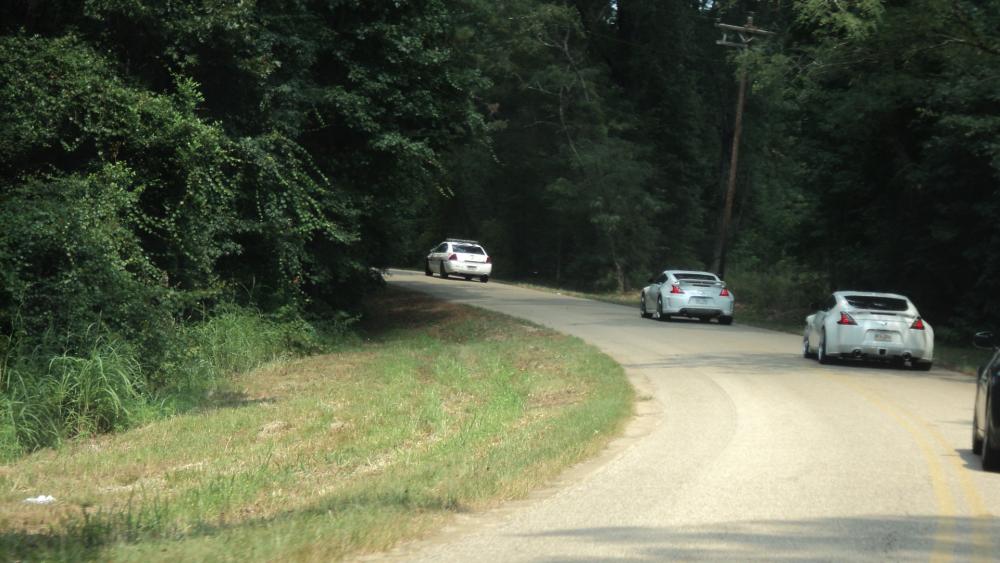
619	269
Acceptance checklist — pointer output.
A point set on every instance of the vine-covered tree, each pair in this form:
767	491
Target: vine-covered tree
156	158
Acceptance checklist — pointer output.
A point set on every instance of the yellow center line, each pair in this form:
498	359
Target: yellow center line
944	536
981	537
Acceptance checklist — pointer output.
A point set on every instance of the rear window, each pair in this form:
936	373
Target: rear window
468	249
877	303
698	277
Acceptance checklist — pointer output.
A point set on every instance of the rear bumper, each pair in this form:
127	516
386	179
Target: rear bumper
468	268
852	342
709	308
700	312
883	352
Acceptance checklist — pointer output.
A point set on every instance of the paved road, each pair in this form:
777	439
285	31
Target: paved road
742	450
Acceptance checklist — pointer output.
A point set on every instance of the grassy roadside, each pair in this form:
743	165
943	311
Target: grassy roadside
964	359
438	409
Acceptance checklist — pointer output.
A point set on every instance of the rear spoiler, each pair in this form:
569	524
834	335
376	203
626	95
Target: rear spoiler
879	311
703	282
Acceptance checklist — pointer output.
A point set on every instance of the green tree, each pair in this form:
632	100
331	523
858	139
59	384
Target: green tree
895	111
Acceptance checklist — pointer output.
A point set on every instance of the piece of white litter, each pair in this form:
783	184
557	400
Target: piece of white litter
41	499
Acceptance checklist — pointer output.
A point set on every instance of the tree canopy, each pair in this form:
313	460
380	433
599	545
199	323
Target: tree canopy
157	159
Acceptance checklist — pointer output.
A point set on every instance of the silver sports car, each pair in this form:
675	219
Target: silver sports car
685	293
873	326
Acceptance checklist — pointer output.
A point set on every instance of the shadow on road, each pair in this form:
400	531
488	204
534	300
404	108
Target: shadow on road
830	539
752	364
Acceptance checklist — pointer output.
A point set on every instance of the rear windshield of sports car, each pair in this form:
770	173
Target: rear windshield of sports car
699	277
469	249
877	303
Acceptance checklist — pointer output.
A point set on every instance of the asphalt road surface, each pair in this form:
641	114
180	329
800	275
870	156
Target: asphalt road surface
741	450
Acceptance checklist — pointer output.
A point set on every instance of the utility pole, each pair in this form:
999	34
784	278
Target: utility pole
745	34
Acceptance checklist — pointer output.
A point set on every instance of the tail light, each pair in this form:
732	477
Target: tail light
846	319
676	289
725	293
918	324
489	260
453	258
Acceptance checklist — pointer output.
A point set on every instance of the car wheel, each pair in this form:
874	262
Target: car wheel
991	452
659	309
706	319
806	353
484	279
441	269
427	268
821	351
725	320
922	366
642	307
468	278
977	442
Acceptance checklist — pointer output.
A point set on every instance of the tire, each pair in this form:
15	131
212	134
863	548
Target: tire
821	355
427	268
484	279
991	450
707	320
725	321
977	442
659	309
805	348
444	274
922	366
642	307
468	278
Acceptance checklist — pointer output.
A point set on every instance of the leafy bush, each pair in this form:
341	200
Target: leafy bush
781	292
68	256
116	200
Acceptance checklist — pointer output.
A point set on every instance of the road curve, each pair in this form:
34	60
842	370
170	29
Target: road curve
741	450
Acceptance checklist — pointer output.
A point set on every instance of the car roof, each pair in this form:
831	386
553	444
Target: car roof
844	292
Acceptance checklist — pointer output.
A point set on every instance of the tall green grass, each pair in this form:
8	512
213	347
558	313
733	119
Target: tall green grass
233	341
70	395
46	397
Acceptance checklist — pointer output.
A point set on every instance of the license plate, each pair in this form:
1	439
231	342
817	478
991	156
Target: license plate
698	300
883	337
472	267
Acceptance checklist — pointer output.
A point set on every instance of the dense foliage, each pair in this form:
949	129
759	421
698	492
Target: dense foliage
160	160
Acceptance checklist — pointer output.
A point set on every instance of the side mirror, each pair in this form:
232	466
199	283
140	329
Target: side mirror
984	339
